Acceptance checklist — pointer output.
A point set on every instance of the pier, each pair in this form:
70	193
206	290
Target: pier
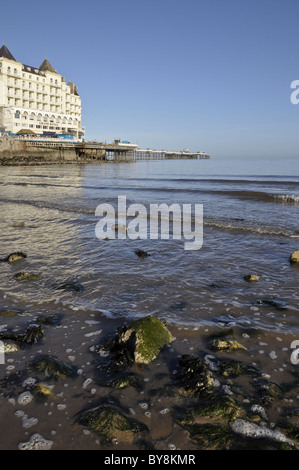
116	152
49	150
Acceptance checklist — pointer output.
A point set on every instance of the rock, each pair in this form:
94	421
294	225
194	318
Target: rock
222	407
70	286
194	376
226	345
32	334
110	423
18	225
273	302
14	257
141	254
129	380
54	319
149	335
52	367
233	368
7	313
42	391
211	437
269	391
294	258
251	278
25	276
10	347
138	344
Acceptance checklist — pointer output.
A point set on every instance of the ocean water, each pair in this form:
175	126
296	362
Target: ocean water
250	225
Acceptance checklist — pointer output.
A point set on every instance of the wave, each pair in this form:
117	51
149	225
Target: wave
286	198
227	225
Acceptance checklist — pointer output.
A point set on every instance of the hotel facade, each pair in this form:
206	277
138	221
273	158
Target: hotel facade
37	100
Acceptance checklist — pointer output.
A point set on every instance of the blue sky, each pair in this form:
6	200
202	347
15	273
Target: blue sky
208	75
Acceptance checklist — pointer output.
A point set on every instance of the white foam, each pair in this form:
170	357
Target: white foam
94	333
254	431
25	398
36	442
28	422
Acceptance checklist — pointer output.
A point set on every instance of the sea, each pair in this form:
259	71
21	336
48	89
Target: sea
250	225
250	214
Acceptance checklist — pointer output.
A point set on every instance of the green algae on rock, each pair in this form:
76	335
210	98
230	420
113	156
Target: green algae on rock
111	423
226	345
150	336
211	437
294	258
268	391
138	344
42	391
7	313
32	334
53	367
222	407
10	347
128	380
14	257
251	278
232	368
194	376
26	276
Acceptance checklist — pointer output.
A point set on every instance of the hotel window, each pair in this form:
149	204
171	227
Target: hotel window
15	71
8	69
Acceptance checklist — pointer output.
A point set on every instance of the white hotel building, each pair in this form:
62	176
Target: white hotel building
37	100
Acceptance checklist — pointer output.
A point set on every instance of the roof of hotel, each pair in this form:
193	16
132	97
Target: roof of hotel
4	52
46	66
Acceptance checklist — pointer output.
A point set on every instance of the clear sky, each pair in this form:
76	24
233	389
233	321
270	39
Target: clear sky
211	75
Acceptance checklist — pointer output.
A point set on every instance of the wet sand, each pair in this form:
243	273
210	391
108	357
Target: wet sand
158	404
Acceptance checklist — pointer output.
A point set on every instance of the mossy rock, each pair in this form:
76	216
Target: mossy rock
193	376
54	319
251	278
294	258
32	334
52	367
129	380
10	347
143	340
26	276
226	345
234	369
292	431
210	437
7	313
14	257
42	391
269	391
110	423
219	407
